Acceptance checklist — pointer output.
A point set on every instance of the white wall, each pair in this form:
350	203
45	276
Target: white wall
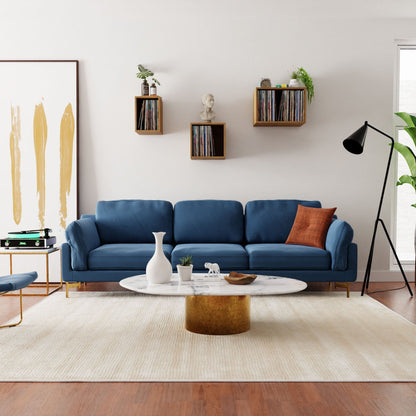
225	48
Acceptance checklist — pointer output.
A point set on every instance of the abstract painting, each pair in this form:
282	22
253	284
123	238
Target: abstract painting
38	146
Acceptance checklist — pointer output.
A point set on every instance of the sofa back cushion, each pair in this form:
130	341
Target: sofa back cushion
134	220
270	221
208	221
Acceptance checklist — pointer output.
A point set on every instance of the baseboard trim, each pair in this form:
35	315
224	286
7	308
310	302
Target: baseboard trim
386	276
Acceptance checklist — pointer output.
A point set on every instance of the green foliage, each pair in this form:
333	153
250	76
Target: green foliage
301	74
407	152
186	261
145	73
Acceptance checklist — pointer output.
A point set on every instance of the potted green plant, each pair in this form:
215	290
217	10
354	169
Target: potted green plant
143	74
407	152
408	155
185	268
301	78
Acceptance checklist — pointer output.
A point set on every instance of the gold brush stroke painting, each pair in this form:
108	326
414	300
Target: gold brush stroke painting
40	133
15	138
66	146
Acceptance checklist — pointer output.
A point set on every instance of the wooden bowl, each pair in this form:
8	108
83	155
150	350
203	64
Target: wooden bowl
240	278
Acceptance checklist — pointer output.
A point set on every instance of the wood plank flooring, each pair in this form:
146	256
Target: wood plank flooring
225	399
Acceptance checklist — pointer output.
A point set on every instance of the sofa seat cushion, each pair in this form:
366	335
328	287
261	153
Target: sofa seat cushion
287	257
124	256
228	256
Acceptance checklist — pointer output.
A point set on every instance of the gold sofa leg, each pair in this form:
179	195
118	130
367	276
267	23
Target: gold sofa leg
68	285
346	285
21	312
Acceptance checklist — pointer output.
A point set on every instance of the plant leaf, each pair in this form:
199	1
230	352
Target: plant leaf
407	179
412	133
408	118
408	155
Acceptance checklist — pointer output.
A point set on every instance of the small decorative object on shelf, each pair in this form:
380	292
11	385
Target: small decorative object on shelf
207	140
265	83
185	268
148	114
153	89
284	106
158	269
143	74
300	78
145	88
207	115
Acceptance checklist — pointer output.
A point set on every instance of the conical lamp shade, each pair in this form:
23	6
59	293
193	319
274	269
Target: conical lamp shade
355	142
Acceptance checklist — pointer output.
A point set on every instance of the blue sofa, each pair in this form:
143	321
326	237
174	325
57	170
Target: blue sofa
117	241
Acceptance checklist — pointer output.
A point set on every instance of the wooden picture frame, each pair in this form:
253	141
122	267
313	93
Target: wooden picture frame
39	150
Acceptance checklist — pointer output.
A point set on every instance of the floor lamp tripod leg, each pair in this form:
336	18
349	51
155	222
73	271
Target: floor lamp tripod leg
369	261
396	257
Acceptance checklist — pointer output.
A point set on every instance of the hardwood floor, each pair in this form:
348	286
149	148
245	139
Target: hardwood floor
228	399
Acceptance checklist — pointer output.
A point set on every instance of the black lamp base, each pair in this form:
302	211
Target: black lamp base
370	259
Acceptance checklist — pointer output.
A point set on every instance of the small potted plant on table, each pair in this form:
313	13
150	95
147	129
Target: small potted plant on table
185	268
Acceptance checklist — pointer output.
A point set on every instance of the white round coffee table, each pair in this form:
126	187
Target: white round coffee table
213	306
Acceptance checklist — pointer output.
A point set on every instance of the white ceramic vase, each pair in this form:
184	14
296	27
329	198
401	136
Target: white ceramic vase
159	269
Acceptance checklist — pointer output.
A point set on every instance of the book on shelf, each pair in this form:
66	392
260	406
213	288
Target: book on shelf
280	105
148	115
202	141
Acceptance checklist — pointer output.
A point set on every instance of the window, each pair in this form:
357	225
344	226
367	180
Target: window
405	196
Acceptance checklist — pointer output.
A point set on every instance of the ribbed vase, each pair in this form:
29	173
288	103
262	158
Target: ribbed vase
158	269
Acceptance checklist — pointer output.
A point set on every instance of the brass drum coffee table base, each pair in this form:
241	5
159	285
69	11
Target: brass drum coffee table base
217	315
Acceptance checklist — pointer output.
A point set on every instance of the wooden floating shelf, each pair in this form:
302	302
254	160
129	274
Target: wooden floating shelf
148	114
207	141
279	107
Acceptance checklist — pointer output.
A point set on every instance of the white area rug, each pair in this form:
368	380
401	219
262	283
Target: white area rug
131	337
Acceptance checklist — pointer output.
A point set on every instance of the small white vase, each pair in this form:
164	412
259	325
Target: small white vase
158	269
294	82
185	272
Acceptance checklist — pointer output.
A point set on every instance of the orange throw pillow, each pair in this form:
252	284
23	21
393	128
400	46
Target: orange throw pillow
310	226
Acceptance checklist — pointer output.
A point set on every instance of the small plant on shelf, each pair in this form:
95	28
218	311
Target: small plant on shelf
303	76
143	74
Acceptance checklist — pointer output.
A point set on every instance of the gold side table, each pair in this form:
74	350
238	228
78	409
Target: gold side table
49	287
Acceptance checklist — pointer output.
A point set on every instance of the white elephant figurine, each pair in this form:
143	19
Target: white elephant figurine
213	268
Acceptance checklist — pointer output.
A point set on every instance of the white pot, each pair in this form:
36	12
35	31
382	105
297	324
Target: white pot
185	272
159	269
295	83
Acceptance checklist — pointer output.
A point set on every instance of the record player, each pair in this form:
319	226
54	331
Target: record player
29	239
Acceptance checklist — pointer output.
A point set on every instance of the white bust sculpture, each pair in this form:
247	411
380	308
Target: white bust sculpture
207	115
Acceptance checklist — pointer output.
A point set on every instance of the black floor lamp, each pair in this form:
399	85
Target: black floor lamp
355	144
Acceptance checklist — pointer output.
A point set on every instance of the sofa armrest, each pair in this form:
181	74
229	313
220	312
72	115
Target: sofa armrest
338	239
82	236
